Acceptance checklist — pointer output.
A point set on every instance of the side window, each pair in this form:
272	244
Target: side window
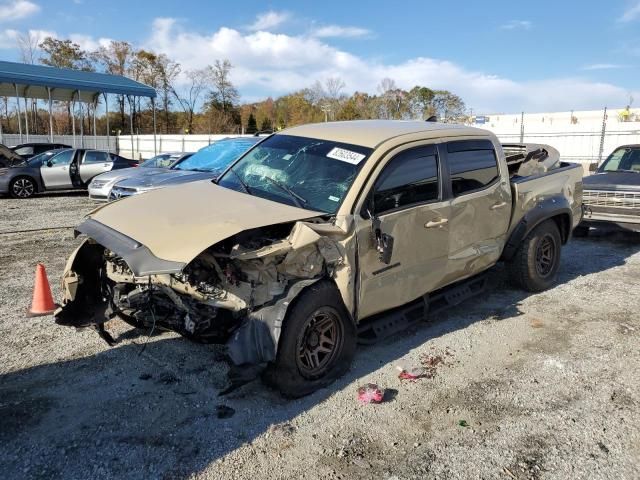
62	158
409	178
472	165
95	156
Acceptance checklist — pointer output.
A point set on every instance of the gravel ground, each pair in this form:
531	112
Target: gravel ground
531	386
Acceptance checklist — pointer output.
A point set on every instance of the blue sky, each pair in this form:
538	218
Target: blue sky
499	56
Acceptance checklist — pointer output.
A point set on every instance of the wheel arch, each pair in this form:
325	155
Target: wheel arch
36	182
555	208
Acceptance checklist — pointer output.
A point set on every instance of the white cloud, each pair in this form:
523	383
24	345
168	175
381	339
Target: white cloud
517	25
89	43
269	20
273	64
604	66
631	13
340	31
17	9
9	37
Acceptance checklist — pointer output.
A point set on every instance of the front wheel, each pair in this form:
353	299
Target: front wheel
317	343
535	264
22	187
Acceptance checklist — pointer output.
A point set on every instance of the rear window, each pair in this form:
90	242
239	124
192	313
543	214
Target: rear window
472	165
94	156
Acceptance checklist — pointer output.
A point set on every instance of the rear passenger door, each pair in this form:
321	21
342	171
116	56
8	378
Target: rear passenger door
406	207
480	206
94	162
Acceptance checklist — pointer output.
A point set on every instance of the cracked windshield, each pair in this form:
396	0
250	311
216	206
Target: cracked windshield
304	172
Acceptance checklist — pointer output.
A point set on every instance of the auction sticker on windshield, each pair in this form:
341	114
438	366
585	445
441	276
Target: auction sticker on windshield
346	155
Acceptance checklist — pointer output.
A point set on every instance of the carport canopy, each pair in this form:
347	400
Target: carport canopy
34	81
64	84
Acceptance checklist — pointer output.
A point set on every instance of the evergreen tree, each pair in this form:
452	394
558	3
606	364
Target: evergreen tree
266	125
252	125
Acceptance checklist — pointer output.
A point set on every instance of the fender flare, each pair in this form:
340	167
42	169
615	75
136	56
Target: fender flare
554	207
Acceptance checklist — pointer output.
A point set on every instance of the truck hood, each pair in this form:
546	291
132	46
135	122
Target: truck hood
177	224
612	181
164	177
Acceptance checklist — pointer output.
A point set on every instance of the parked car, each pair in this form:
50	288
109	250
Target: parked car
319	234
28	150
66	169
9	158
101	185
206	163
612	194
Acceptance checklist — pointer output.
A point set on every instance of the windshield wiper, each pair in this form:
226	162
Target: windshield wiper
242	184
297	199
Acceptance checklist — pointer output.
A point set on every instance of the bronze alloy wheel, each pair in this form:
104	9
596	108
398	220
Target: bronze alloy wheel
319	343
22	188
545	255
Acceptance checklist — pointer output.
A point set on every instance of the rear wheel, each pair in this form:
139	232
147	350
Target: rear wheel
22	187
317	343
535	264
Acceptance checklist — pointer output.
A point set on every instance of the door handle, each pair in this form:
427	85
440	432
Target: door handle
106	164
498	205
436	223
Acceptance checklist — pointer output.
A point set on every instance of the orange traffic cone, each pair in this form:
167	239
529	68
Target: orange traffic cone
42	303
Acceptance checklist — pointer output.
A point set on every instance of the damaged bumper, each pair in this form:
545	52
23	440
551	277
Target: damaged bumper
236	292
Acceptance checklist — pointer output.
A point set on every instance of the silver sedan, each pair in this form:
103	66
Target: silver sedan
100	187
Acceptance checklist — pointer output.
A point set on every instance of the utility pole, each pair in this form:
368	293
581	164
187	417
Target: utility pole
602	134
326	109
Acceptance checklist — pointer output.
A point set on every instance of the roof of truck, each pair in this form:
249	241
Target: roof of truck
370	133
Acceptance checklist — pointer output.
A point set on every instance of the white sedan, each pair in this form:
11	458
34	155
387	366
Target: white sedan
101	186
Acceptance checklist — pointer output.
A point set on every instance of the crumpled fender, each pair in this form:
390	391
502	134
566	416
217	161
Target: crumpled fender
256	340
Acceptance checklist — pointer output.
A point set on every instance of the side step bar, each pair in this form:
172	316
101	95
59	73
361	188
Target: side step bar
378	327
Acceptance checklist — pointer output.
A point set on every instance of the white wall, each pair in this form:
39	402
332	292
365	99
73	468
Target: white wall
141	146
579	141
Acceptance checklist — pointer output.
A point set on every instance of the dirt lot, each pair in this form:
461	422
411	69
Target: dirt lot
543	386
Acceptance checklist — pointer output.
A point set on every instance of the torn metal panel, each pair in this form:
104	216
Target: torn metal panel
257	338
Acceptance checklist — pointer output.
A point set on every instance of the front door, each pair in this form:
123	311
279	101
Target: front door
406	209
94	162
480	207
55	172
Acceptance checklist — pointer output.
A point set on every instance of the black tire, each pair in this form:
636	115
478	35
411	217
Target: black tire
22	187
581	231
535	264
291	373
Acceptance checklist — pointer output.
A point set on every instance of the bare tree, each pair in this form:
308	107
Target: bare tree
116	59
334	86
29	46
224	92
199	82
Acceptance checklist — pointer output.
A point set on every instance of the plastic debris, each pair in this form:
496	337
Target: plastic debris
463	423
370	393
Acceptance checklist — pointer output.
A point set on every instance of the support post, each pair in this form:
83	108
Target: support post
522	127
131	126
26	115
106	109
50	115
73	117
95	107
153	107
81	122
19	112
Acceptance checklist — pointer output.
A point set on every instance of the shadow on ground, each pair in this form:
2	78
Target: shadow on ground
154	415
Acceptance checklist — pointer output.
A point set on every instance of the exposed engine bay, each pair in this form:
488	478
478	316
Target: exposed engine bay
240	286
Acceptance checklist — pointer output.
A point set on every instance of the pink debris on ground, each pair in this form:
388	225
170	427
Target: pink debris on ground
370	393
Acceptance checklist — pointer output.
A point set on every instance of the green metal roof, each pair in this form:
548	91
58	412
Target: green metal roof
32	82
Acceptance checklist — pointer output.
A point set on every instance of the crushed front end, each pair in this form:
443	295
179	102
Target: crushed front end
237	291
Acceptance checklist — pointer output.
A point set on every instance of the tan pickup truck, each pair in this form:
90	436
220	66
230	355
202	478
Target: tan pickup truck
323	234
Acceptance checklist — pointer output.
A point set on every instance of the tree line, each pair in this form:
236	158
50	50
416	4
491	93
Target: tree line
206	100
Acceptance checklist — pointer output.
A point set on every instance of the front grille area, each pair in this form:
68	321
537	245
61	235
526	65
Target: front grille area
120	192
601	198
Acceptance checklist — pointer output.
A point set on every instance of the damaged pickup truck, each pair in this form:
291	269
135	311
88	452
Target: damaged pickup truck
322	233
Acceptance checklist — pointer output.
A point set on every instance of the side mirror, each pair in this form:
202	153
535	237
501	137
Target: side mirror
593	167
383	241
49	163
